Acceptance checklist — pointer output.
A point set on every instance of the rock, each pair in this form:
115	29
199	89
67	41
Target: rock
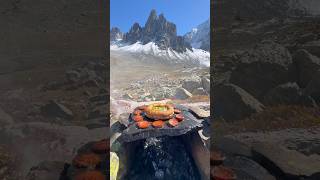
115	34
5	118
288	94
313	47
98	112
306	38
182	93
232	146
91	83
191	85
198	112
306	66
158	30
290	163
313	88
233	103
246	168
163	93
73	76
257	68
199	91
48	170
127	96
206	84
55	109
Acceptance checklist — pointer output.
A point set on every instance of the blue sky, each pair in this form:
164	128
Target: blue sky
186	14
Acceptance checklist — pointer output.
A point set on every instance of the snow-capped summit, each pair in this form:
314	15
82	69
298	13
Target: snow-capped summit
189	57
199	37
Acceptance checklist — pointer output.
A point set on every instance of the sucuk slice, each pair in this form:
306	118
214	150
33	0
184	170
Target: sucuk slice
158	124
137	118
216	158
173	122
101	146
86	160
90	175
177	111
137	112
179	117
143	124
223	173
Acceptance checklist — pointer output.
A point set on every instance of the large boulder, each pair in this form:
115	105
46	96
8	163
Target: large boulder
264	67
182	93
288	94
206	84
313	88
306	65
289	163
233	103
191	84
56	110
313	47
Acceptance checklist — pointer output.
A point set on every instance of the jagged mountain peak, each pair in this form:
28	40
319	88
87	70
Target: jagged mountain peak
159	30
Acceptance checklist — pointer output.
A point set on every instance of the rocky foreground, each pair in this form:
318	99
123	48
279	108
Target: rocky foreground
266	95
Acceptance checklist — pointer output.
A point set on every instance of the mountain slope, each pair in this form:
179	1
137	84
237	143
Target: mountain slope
199	37
194	57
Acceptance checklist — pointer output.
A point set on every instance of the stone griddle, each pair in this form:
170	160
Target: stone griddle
190	123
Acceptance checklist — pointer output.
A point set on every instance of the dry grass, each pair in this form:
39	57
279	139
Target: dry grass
273	118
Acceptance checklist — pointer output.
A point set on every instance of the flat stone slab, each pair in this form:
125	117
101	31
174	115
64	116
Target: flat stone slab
190	123
290	162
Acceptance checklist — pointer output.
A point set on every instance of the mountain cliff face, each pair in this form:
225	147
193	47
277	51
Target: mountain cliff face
199	37
158	30
115	34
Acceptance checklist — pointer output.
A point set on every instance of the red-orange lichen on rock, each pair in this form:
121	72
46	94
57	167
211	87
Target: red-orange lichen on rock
101	146
86	160
90	175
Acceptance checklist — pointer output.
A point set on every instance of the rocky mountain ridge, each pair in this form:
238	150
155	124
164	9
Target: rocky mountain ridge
158	30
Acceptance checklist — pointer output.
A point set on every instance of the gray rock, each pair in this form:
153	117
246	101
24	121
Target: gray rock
182	93
5	118
306	66
288	94
248	169
263	68
73	76
115	34
313	88
55	109
206	84
198	112
233	103
313	47
306	38
199	91
163	93
291	163
191	85
49	170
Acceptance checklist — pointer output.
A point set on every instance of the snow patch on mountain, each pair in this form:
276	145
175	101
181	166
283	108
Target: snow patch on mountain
196	56
199	37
